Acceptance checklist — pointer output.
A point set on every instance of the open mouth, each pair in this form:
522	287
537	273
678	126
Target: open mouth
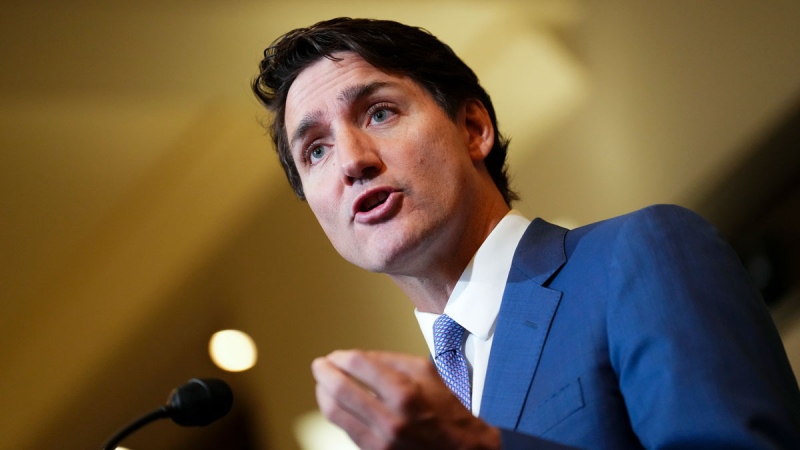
373	201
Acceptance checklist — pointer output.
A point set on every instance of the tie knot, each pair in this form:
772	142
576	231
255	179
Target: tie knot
447	334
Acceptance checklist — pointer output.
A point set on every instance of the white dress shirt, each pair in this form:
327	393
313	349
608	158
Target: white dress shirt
475	300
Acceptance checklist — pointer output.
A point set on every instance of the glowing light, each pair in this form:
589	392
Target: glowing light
314	432
232	350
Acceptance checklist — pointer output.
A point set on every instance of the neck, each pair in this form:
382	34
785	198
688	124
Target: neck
429	287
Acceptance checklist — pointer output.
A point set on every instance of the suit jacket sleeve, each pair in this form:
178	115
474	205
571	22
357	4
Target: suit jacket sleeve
679	333
697	356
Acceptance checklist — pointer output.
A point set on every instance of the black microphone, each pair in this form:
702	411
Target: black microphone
195	404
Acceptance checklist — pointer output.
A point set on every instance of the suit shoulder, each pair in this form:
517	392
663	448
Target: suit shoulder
653	223
654	214
665	215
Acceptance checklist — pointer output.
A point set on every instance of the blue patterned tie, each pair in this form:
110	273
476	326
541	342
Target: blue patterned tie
447	338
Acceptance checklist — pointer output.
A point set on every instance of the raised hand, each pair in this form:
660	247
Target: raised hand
395	401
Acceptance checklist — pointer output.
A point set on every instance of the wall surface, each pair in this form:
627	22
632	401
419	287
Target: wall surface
143	208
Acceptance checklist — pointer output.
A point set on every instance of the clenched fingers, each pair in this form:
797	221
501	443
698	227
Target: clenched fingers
353	402
388	400
395	387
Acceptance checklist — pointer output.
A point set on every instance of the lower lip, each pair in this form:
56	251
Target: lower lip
382	212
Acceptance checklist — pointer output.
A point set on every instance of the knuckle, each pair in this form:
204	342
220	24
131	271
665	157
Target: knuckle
397	428
408	397
351	359
338	388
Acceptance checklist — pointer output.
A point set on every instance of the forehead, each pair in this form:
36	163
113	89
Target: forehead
325	83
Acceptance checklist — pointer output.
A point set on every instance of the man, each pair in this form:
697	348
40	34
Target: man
639	331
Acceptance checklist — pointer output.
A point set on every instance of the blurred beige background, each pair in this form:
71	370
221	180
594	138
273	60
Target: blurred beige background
143	207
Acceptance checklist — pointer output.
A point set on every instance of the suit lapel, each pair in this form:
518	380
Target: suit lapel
523	322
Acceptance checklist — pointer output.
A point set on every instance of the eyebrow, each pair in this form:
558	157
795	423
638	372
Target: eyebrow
355	93
349	95
309	121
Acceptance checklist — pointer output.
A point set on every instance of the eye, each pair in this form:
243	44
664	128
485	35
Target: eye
380	113
315	153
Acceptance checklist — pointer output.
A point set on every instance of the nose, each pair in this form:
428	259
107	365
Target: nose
358	156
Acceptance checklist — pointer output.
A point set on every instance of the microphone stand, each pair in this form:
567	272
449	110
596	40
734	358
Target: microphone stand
195	404
160	413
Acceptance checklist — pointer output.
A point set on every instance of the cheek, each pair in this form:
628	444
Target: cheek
327	224
438	158
326	211
328	219
322	209
319	195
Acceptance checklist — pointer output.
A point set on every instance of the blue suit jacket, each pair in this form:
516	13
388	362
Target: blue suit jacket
639	331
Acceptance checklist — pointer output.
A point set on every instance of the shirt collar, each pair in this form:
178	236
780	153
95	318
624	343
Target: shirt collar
476	297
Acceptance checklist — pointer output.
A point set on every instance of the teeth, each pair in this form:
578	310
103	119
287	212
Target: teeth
374	200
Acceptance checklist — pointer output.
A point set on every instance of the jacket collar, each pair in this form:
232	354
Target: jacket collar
541	251
523	323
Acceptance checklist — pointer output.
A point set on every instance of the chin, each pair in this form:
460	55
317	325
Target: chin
395	260
371	263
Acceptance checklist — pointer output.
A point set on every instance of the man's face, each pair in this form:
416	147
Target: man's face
384	169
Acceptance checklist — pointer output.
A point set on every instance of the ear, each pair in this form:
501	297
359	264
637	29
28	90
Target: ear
479	131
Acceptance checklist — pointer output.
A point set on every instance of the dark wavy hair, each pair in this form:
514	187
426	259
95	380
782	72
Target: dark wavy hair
388	46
